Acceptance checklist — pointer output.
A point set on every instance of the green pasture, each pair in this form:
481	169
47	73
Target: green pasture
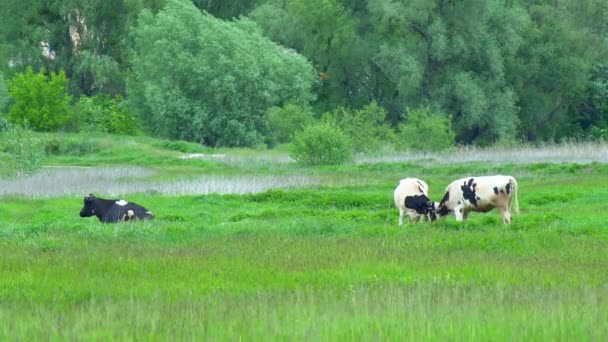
326	262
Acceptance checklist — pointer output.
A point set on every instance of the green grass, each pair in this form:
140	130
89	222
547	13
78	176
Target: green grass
322	263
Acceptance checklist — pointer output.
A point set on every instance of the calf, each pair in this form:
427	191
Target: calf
480	194
113	211
411	198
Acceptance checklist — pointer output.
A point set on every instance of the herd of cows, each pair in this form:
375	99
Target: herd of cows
462	196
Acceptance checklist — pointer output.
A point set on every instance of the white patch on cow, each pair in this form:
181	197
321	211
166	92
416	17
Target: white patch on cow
130	213
122	202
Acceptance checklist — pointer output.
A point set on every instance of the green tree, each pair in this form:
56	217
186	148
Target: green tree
326	33
424	130
40	102
551	73
198	78
86	38
285	121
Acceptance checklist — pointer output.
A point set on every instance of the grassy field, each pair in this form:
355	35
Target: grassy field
320	258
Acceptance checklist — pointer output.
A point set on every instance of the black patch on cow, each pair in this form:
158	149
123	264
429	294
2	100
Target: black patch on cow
508	187
420	186
445	198
468	191
419	203
431	214
496	190
443	209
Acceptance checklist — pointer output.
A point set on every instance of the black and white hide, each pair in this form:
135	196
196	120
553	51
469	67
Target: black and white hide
480	194
113	211
411	198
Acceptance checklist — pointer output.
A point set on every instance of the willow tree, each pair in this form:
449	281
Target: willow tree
199	78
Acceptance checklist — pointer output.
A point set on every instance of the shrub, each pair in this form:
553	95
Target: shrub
285	121
4	124
104	114
426	131
182	146
25	150
4	97
598	133
40	101
367	127
321	144
70	146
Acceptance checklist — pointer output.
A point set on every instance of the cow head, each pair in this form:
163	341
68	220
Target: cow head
430	210
441	210
89	206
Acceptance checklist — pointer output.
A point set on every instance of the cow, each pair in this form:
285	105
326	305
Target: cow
113	211
411	198
480	194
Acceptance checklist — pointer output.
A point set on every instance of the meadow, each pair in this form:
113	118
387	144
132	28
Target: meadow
248	245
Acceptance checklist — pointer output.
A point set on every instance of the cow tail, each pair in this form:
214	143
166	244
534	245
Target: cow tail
514	183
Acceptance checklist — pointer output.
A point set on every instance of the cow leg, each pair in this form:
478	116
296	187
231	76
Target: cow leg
506	215
459	213
401	214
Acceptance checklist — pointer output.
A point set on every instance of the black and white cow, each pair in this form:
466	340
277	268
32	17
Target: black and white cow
113	211
411	198
480	194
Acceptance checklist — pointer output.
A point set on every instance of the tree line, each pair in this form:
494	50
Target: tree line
241	73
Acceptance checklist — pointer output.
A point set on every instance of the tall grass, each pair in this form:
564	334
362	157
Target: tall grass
114	181
572	152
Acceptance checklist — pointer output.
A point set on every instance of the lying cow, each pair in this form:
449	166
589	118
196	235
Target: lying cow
480	194
411	198
113	211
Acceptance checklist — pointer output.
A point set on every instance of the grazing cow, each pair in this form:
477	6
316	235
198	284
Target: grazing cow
113	211
411	198
480	194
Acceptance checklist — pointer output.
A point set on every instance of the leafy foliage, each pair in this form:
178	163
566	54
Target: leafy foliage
285	121
4	96
424	130
223	76
25	150
40	102
367	128
502	70
321	144
103	114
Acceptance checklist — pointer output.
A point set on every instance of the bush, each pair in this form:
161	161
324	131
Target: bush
367	127
103	114
598	133
70	146
25	150
321	144
39	101
426	131
4	97
285	121
182	146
